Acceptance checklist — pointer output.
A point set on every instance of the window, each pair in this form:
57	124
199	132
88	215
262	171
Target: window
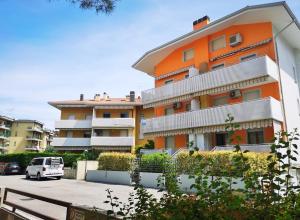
169	111
221	139
71	117
220	101
217	66
69	134
248	57
123	133
255	136
88	117
106	115
168	81
186	76
188	54
295	74
218	43
87	134
37	162
251	95
124	115
188	107
170	143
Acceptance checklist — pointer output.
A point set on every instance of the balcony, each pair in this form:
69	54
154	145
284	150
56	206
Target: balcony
70	142
73	124
4	127
32	148
4	137
33	138
242	75
112	141
113	123
35	129
255	110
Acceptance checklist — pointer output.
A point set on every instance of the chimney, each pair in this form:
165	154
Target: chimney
81	97
105	96
97	97
132	96
200	23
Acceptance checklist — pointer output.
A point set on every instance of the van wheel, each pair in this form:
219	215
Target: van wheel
27	176
38	177
58	177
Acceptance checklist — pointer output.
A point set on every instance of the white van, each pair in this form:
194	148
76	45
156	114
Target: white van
43	167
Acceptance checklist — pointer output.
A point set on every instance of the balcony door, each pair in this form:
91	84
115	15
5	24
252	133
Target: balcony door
170	143
221	139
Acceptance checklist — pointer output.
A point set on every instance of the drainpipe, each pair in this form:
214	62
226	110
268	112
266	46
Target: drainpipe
279	73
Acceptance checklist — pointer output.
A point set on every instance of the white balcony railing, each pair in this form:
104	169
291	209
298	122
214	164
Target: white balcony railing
70	142
113	123
32	138
4	127
112	141
241	72
36	129
73	124
267	108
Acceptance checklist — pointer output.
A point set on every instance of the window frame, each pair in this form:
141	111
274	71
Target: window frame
256	130
184	59
168	81
247	57
217	38
106	113
217	66
249	91
219	97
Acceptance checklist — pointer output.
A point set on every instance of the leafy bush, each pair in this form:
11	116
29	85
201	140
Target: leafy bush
148	145
24	158
154	162
220	162
115	161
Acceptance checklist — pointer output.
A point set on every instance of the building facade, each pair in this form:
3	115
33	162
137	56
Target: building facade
28	135
246	64
100	124
17	136
5	132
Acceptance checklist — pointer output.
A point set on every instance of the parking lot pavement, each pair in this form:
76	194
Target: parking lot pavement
73	191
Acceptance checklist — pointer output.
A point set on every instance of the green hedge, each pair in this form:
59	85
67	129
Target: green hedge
219	162
154	162
115	161
24	158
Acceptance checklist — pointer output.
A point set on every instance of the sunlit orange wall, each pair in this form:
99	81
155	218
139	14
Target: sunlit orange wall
251	33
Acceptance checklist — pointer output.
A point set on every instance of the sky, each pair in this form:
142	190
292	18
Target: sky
53	50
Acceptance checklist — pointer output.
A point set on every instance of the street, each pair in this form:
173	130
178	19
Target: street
73	191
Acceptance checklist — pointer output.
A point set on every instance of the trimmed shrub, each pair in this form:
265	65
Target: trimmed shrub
154	162
24	158
219	162
115	161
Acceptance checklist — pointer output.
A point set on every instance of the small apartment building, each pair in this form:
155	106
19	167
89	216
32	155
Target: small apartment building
27	135
246	64
100	124
5	132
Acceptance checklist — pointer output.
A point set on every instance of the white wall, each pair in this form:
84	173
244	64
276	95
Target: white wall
290	87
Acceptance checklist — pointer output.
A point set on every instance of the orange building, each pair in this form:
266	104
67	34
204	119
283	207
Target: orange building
100	124
246	64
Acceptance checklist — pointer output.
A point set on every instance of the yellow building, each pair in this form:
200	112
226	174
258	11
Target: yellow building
5	132
17	136
28	135
101	124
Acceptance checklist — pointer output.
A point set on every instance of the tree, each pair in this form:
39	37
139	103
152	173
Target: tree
105	6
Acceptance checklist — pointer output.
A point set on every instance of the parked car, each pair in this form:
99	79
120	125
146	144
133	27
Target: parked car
12	168
44	167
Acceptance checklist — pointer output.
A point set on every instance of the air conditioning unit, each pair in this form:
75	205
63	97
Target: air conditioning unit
177	105
235	93
235	39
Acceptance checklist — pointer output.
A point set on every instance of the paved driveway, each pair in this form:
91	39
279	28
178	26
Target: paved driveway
76	192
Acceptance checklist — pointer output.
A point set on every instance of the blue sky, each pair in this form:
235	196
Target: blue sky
52	50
